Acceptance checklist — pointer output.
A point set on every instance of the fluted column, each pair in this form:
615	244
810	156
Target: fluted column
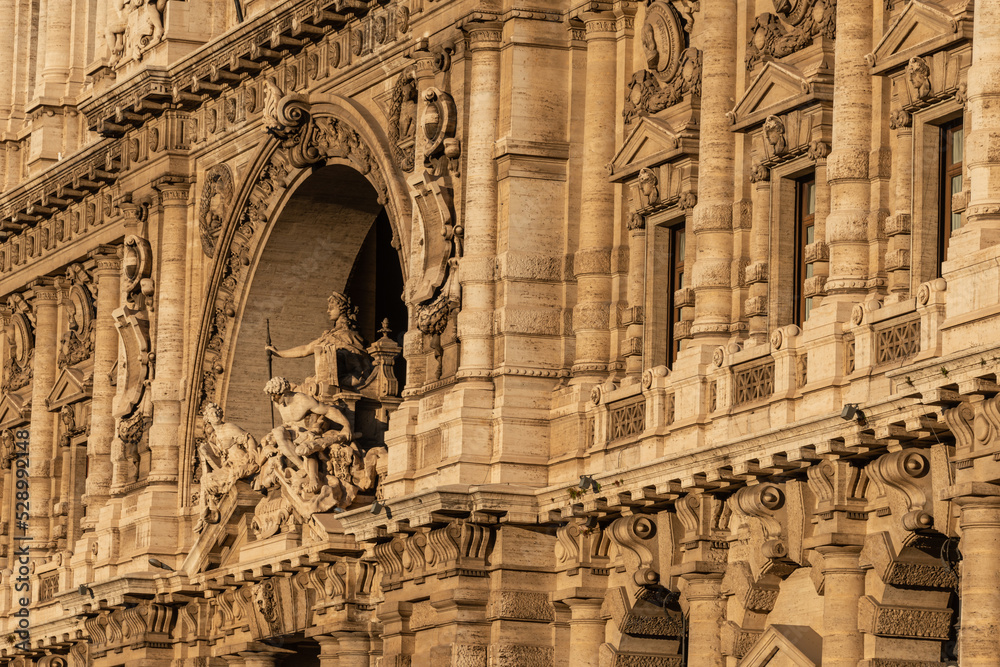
592	263
844	584
107	275
978	641
586	631
705	609
847	164
982	138
169	346
41	449
475	320
713	217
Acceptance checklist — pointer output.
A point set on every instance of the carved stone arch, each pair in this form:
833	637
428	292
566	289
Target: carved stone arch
305	134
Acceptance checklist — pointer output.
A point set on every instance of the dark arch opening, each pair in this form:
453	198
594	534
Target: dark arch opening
331	235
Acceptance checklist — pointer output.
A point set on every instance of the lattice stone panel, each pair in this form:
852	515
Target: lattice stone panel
898	342
753	383
48	586
628	420
849	350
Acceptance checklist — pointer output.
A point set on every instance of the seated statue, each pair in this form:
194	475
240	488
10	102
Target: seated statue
342	363
312	454
228	454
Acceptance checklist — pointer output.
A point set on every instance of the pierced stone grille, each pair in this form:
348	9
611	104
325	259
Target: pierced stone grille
896	343
628	420
753	383
849	356
48	586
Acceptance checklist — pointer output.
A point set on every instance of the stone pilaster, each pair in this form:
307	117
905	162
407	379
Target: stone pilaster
843	643
107	275
982	138
636	292
705	614
978	641
41	449
169	345
900	224
586	631
592	263
713	217
847	164
757	273
476	272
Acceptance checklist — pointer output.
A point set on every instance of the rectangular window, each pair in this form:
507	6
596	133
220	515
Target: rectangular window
805	234
677	281
952	149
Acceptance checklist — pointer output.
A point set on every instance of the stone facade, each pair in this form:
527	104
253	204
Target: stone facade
501	333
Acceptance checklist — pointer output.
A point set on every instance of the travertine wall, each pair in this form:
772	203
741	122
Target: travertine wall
567	457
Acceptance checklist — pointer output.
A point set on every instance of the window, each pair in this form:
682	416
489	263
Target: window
677	249
805	234
952	147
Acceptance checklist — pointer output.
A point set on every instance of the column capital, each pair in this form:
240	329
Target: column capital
483	35
106	259
173	194
599	25
44	291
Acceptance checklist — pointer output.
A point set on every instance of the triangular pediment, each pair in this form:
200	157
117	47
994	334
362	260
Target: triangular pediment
778	88
921	29
71	385
785	646
651	142
14	411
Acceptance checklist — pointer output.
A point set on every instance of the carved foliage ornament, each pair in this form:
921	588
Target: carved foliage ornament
18	365
403	119
77	344
672	70
806	20
216	197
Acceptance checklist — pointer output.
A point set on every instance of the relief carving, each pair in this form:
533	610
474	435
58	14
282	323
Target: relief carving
806	20
216	197
77	344
672	69
919	75
18	365
403	119
135	27
774	133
